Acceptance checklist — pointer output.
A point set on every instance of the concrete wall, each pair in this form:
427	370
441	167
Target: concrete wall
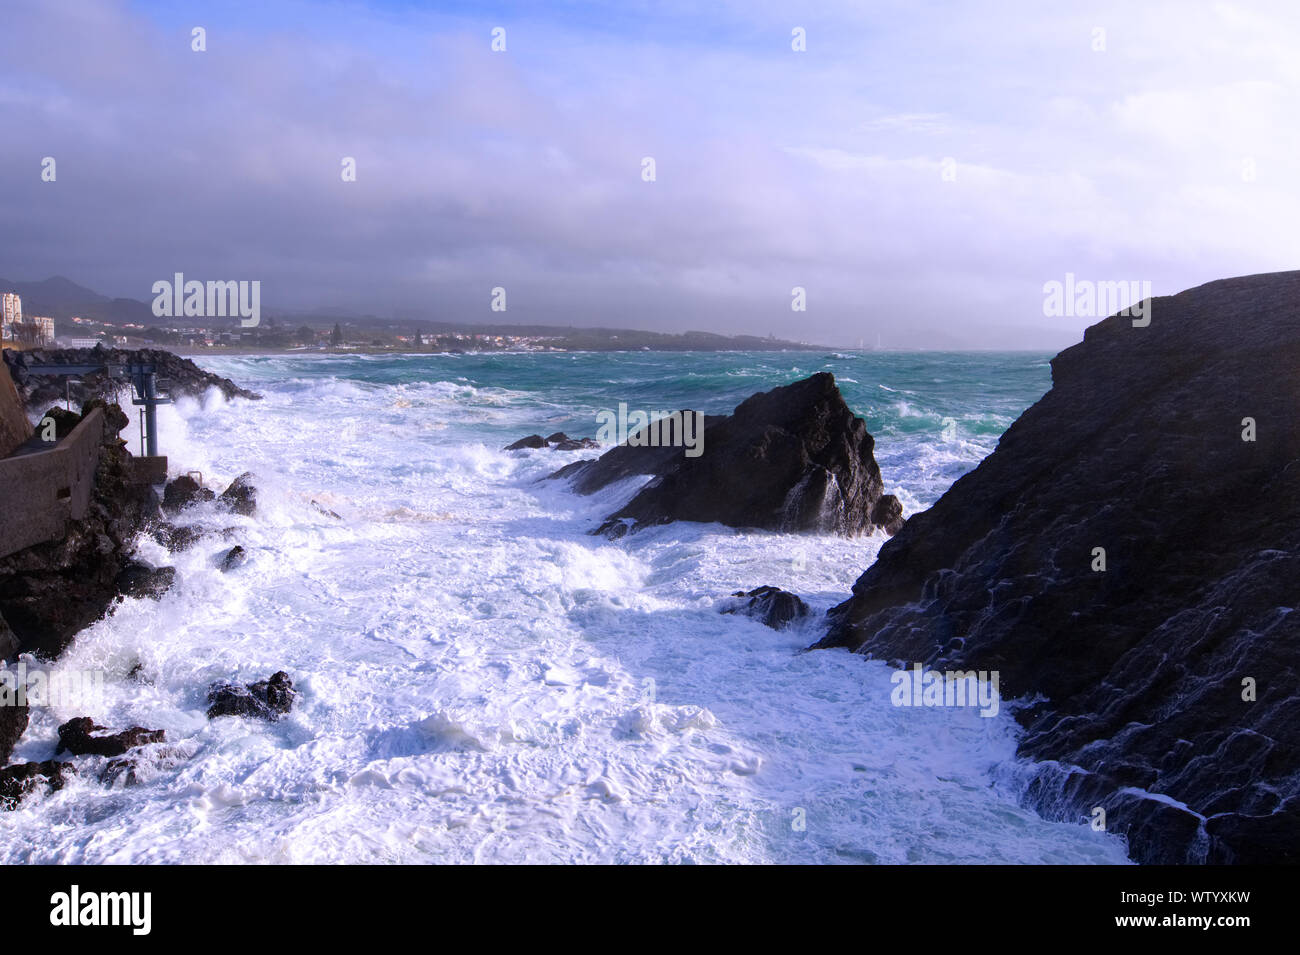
14	426
40	492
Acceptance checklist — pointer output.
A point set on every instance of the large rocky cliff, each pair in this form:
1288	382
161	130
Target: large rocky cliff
1129	557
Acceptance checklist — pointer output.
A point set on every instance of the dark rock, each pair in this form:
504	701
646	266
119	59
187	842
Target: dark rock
20	779
532	441
13	723
241	496
559	441
233	558
9	644
791	459
77	737
1143	667
177	538
576	444
139	579
183	492
325	510
772	606
887	513
64	422
266	699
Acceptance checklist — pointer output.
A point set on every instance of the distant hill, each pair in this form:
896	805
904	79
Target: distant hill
61	298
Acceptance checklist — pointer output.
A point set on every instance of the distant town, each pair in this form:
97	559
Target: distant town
75	317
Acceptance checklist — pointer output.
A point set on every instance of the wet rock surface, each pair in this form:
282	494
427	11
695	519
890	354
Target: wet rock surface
21	779
81	737
241	496
266	699
1127	555
141	579
771	606
183	492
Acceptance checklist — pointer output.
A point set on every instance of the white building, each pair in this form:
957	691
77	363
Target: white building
11	314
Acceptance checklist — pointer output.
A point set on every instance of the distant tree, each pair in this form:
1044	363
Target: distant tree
305	334
336	336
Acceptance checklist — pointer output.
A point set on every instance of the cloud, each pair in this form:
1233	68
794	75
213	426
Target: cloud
774	168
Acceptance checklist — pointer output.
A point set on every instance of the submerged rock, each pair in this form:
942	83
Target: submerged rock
1129	553
266	699
232	558
77	736
791	459
771	606
20	779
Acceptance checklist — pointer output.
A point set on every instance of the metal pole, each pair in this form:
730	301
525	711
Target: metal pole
151	413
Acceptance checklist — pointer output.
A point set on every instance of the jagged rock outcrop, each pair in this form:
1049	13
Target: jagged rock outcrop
1130	553
265	699
81	737
791	459
184	378
771	606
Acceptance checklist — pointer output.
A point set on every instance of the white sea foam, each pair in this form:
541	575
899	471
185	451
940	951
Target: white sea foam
483	681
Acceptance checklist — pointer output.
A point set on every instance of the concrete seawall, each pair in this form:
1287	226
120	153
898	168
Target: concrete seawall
41	491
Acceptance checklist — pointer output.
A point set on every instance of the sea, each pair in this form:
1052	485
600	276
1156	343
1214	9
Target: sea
482	680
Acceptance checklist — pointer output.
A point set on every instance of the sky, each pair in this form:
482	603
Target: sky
920	170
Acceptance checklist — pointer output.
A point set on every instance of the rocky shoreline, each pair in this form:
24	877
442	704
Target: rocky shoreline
1127	559
51	591
183	378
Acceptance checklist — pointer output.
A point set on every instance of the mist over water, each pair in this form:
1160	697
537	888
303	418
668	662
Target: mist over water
483	681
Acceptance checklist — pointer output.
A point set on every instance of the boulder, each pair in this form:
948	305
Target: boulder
770	606
141	579
791	459
183	492
266	699
1127	559
241	496
78	737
